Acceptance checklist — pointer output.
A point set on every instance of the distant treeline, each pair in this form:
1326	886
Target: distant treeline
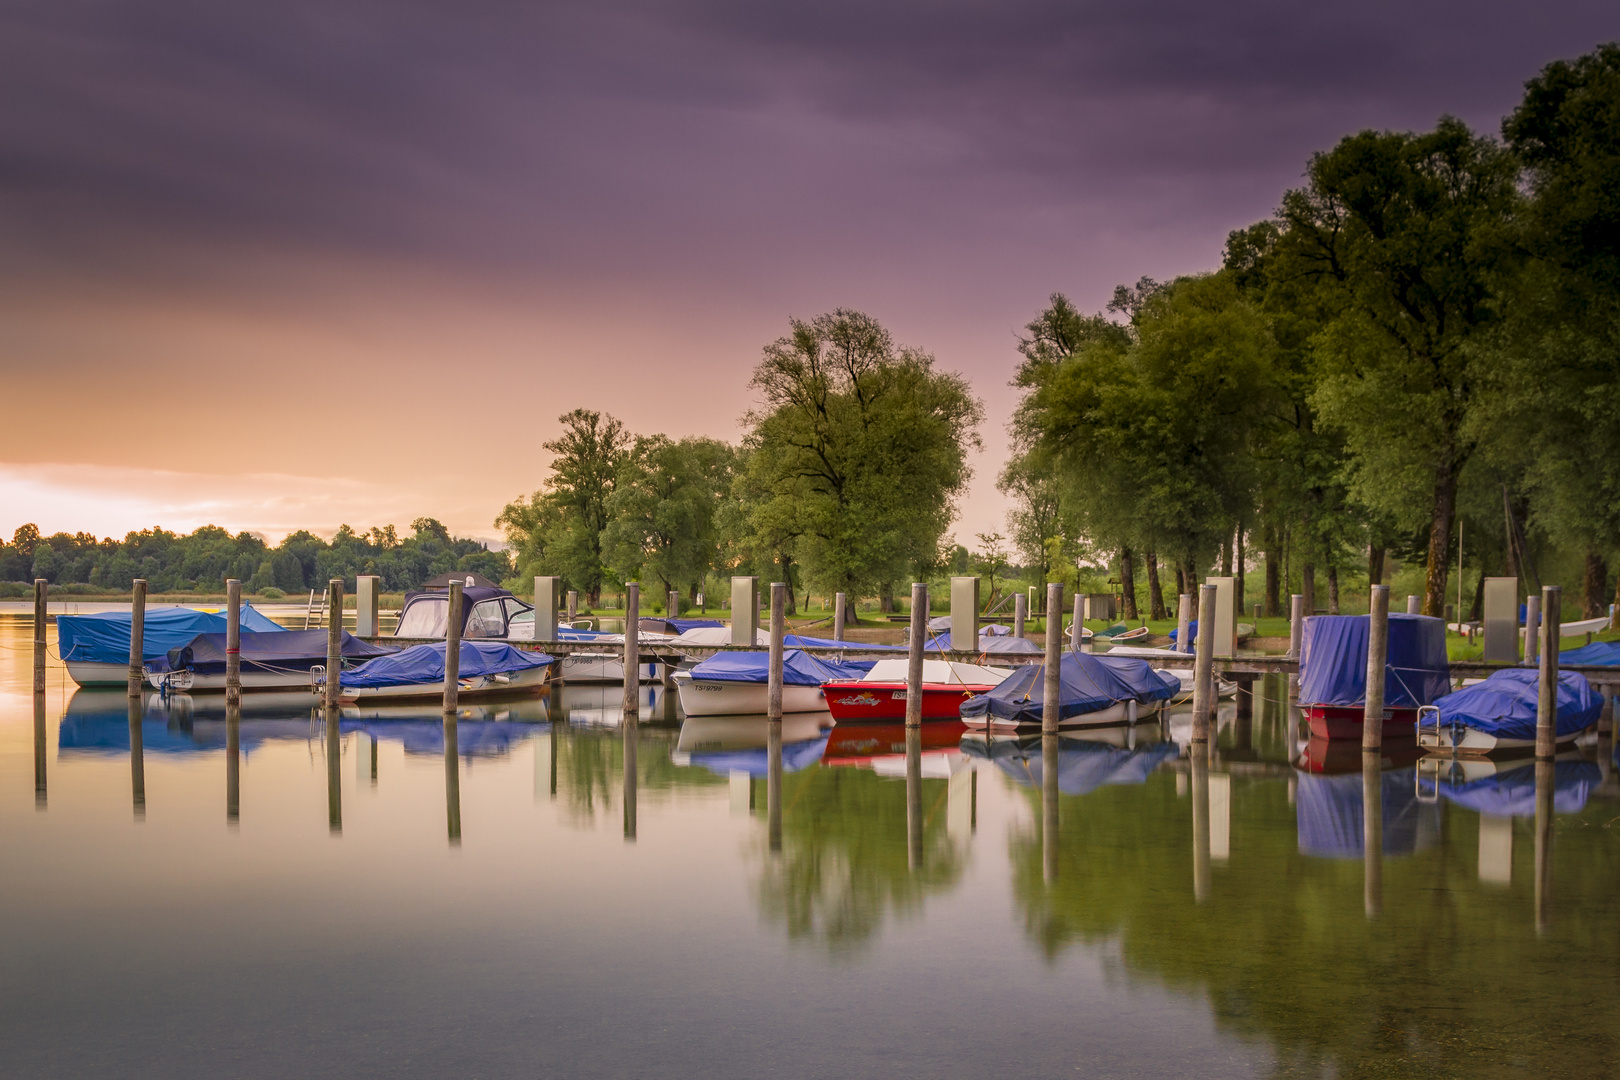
203	560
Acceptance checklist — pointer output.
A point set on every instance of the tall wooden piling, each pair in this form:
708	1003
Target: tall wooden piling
334	641
840	615
1532	627
1204	668
1552	598
632	649
1184	610
41	610
672	606
1020	614
137	636
773	677
1051	683
573	605
452	649
233	642
914	654
1372	713
1077	623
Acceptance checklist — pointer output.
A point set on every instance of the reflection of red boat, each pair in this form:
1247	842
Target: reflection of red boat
862	700
1344	721
859	744
1333	756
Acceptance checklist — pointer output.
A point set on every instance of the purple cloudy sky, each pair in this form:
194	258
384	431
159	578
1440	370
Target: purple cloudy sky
293	264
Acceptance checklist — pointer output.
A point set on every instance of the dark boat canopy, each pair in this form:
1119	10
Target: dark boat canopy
486	612
285	648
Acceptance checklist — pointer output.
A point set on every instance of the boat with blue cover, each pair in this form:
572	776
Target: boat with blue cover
735	683
282	660
1093	690
1333	672
1500	713
95	648
485	668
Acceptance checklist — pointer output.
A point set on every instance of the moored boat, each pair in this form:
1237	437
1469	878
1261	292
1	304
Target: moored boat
1499	714
284	660
1333	673
735	683
95	648
881	693
485	668
1093	690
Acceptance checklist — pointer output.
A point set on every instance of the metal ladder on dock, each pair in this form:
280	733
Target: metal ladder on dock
317	613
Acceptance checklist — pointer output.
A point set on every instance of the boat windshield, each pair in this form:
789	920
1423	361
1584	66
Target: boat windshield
425	617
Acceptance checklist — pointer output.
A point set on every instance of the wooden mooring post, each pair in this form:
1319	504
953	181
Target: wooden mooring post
1532	627
632	649
1204	668
233	642
1372	713
1077	622
773	691
840	615
672	606
1051	683
1020	614
1552	597
1184	609
137	636
41	609
914	654
334	641
452	650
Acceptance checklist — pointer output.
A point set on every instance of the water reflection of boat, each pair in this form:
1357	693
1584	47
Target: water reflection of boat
474	738
863	744
97	722
1328	815
1334	756
1084	765
1093	690
746	749
602	704
1500	713
702	734
1509	792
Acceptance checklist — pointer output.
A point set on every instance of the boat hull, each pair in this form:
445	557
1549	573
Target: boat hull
214	681
1114	715
1476	743
858	700
1344	721
92	673
527	681
605	667
702	697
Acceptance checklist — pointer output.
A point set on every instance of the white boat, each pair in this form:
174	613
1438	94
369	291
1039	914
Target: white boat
705	697
606	667
1223	689
517	682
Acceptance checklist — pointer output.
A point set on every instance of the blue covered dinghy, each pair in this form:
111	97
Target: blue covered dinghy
484	668
1093	689
96	647
1500	713
735	683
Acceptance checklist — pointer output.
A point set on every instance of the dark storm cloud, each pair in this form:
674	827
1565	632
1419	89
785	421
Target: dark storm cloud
612	133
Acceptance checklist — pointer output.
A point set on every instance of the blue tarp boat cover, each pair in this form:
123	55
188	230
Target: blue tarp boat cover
1505	704
798	668
474	738
799	641
1083	766
1192	635
1088	682
1513	794
1333	670
424	664
289	648
753	761
104	638
1328	813
683	625
1599	652
989	644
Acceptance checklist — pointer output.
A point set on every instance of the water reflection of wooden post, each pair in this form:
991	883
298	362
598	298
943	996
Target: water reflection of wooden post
773	676
1199	766
632	649
914	654
334	772
233	642
41	588
840	614
1372	826
1544	842
1184	610
914	811
233	762
137	636
1547	701
452	780
773	784
1050	684
556	741
39	751
1049	805
631	732
1372	711
137	759
334	641
1204	699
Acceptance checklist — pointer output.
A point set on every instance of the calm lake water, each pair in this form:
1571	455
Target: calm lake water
560	895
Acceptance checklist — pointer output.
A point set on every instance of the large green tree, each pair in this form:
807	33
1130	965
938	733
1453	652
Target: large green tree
661	515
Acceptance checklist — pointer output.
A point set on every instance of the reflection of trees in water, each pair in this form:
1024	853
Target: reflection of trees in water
1450	980
843	865
590	770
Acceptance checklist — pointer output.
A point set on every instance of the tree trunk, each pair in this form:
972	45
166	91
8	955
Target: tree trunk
1155	593
1438	567
786	563
1307	587
1273	574
1375	567
1226	558
1127	583
1333	590
1614	609
1181	581
886	596
1476	610
1237	568
1597	585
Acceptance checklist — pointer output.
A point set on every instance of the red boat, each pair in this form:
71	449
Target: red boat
1344	721
856	699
